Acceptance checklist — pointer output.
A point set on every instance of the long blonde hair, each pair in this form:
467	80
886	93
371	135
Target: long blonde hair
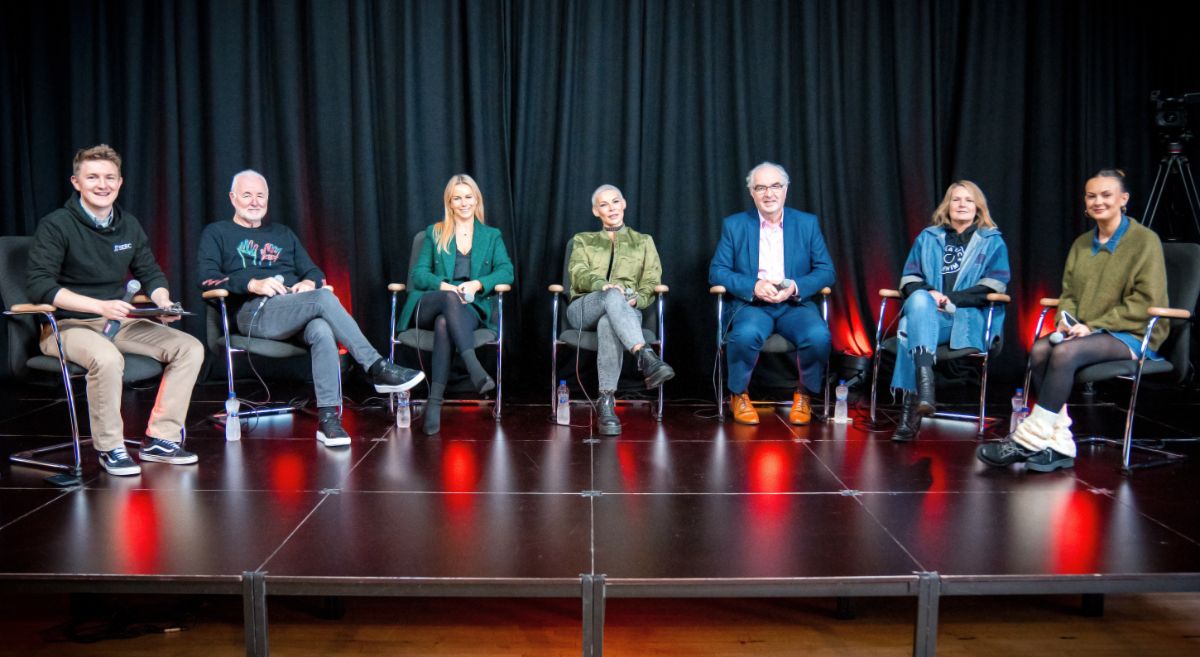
983	218
444	231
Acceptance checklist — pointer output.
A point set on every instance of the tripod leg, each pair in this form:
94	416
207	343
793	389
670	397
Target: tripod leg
1189	190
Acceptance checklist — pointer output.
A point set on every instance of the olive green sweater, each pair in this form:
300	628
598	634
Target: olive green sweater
1113	291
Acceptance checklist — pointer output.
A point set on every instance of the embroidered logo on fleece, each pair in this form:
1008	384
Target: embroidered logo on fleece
117	248
265	256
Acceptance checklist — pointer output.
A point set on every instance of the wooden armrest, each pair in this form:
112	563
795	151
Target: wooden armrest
1171	313
397	287
1049	303
717	289
502	288
997	297
557	289
141	298
889	294
214	294
826	291
661	289
31	309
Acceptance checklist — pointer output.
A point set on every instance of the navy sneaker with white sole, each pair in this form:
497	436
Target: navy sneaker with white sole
165	451
118	462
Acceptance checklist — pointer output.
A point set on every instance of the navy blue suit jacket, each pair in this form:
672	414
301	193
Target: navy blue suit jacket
805	258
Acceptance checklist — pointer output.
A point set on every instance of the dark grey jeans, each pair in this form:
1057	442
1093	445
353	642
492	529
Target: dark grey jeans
618	328
325	323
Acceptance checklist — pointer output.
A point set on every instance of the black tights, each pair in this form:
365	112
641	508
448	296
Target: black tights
452	322
1054	366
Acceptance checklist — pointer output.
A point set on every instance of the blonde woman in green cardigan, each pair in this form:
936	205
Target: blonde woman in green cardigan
1114	273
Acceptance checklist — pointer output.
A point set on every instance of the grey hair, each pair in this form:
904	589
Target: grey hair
604	188
782	173
246	172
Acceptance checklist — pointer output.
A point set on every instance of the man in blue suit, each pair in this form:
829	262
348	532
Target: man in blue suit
772	260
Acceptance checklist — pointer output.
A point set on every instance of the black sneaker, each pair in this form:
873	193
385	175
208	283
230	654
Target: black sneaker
330	431
165	451
117	462
390	377
1007	452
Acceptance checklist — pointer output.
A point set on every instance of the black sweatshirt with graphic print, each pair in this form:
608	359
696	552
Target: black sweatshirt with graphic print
232	255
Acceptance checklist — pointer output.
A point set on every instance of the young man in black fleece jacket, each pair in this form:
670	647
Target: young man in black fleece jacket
276	292
79	261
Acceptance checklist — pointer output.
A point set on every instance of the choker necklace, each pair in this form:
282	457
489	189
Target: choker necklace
613	230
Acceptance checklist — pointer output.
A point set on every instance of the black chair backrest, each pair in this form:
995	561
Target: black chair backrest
23	331
415	253
649	313
1183	288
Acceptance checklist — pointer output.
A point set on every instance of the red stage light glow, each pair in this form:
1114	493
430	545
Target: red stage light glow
138	534
1076	538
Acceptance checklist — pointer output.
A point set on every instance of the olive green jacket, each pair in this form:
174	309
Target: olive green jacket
636	263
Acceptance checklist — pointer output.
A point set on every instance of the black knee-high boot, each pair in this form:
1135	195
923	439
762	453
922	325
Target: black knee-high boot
433	409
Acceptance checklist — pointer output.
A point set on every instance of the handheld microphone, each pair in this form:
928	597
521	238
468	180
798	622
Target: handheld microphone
468	296
112	326
1057	336
279	277
949	306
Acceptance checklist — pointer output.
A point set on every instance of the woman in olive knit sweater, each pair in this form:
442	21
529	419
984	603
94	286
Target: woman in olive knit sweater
1113	275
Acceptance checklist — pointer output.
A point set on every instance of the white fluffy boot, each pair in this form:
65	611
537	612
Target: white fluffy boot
1064	440
1037	432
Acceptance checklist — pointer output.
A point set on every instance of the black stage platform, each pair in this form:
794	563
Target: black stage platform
524	508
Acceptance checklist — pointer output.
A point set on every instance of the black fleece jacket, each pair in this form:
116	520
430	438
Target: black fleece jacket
70	251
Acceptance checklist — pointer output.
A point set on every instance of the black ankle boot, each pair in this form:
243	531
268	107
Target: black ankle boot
432	422
925	402
910	420
653	369
607	421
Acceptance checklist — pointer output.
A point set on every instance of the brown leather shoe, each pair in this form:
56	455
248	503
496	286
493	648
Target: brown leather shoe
801	412
742	410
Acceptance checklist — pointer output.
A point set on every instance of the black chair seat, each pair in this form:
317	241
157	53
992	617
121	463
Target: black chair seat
590	341
777	344
137	367
264	347
1127	368
944	352
423	338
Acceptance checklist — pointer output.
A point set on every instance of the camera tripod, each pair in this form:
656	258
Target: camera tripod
1173	162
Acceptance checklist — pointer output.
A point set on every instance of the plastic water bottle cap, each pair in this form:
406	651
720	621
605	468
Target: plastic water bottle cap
562	382
1020	390
841	382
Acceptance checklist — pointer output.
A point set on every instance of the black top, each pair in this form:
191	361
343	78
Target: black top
70	251
231	255
462	266
952	259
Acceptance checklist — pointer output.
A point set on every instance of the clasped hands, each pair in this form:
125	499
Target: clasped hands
772	292
609	286
269	287
119	309
474	287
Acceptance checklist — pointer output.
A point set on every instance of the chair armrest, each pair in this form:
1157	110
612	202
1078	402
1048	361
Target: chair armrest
717	289
214	294
1170	313
661	289
996	297
502	288
397	287
141	298
890	294
556	289
1049	302
826	291
30	309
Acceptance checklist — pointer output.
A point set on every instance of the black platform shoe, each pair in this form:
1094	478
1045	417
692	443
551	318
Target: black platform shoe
607	421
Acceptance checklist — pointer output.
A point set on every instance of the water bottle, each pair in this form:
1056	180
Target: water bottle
233	424
562	406
403	409
841	409
1018	410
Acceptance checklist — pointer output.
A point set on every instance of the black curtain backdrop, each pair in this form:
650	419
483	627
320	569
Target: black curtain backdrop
358	112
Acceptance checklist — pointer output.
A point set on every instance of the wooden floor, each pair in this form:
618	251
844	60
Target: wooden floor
1141	625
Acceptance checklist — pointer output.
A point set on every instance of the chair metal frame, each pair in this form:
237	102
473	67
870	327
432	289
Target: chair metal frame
981	419
720	291
1126	441
557	290
497	405
259	411
73	471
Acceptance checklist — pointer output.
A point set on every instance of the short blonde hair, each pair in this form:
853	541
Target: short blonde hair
97	152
